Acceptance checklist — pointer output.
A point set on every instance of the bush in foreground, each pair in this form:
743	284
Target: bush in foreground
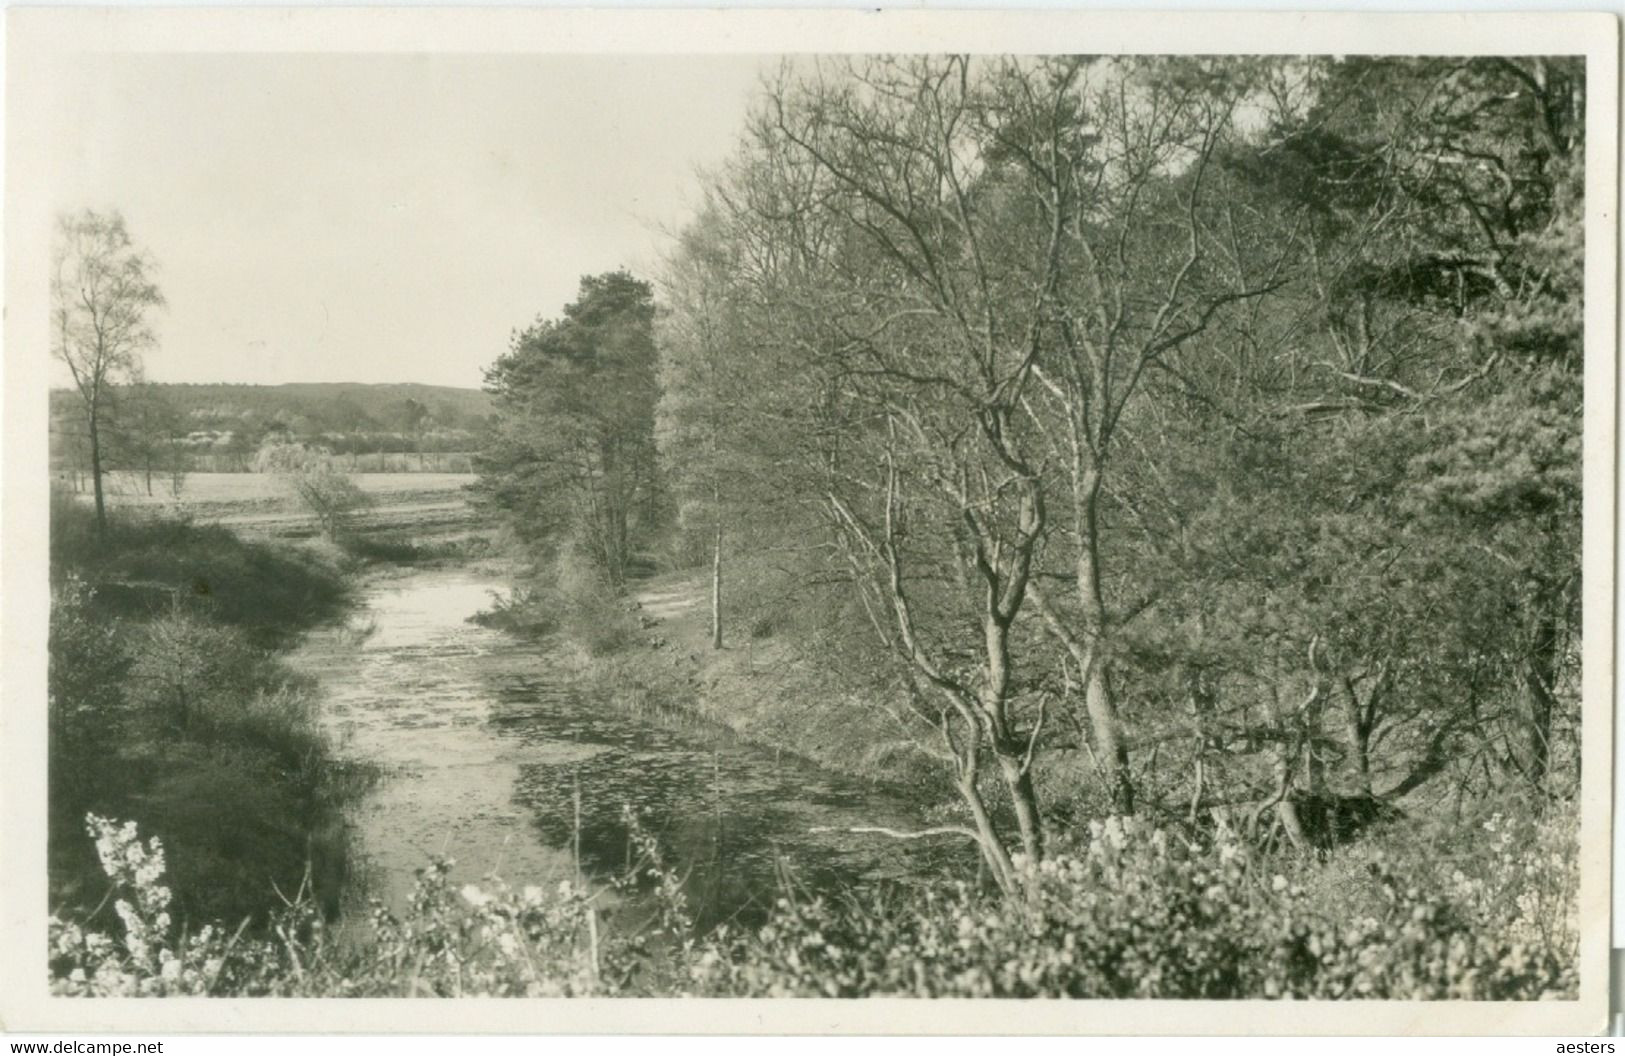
492	941
1136	914
1131	914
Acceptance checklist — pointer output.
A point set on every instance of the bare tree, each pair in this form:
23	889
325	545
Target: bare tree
313	476
147	429
925	317
1146	258
1014	247
101	291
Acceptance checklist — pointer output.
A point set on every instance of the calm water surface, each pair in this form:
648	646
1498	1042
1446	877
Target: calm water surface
487	751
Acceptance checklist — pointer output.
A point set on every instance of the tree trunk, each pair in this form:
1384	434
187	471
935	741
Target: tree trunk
992	848
1358	729
716	587
1201	695
96	475
1109	744
1293	732
1287	812
1111	751
1286	809
1099	700
1018	780
618	536
1314	765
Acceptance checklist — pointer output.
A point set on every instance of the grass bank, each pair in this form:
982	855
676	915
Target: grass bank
170	704
650	653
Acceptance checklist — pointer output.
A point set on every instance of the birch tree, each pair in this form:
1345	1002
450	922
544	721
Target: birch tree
102	292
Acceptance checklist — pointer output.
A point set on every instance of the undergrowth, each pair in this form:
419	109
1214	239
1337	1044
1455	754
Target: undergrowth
168	700
145	566
1129	912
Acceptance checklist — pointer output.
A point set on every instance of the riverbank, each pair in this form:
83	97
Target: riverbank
651	654
500	752
496	750
170	702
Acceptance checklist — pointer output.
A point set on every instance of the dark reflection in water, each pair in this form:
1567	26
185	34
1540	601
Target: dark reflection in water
491	751
733	818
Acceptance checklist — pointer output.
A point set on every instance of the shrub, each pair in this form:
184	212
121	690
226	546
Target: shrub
472	941
1135	914
73	530
86	674
148	565
88	718
313	476
187	714
198	677
1130	914
1509	866
524	611
1526	881
594	613
164	696
571	596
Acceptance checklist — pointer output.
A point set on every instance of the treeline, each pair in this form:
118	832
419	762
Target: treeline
162	430
332	406
1194	438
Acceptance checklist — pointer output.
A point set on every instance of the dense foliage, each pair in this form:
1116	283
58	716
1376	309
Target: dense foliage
1192	437
1194	440
1133	912
571	460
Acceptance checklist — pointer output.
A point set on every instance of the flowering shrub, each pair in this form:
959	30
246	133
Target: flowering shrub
1527	881
1130	913
314	477
472	941
495	942
149	961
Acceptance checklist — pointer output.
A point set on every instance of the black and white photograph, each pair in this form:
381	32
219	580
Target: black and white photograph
894	512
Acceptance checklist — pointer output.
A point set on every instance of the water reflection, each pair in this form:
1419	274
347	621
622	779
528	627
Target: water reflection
494	760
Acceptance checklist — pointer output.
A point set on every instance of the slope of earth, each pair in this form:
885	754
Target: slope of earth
766	691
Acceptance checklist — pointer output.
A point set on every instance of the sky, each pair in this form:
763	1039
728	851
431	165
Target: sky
386	217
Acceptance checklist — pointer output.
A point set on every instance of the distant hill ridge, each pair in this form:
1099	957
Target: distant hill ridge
319	406
375	399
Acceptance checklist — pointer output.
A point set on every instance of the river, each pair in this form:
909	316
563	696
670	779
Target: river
486	753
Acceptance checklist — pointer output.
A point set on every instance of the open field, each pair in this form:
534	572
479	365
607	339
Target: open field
421	504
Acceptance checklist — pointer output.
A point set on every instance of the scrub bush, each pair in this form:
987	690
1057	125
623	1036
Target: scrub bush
1134	913
1131	913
